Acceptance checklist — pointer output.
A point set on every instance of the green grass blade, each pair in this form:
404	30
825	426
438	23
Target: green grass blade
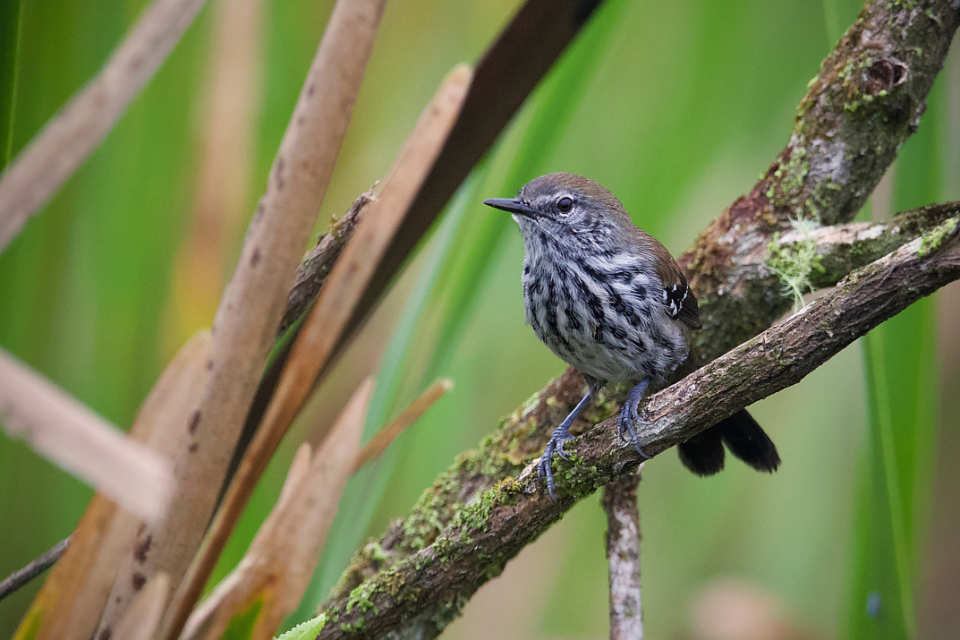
9	63
902	386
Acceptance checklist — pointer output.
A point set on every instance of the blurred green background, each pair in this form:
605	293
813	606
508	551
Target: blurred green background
676	107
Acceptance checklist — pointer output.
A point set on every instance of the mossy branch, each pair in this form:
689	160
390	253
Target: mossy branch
429	586
838	151
864	103
521	436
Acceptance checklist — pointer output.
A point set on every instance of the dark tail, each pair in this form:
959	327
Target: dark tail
703	453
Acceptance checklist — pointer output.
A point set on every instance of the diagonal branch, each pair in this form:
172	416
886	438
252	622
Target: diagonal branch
861	107
864	103
428	587
36	567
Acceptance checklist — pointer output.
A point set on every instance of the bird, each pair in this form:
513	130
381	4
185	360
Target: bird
607	298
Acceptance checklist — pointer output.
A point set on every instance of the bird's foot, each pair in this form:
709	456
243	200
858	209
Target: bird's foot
555	445
630	416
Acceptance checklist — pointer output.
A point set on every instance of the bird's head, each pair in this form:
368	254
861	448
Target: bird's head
567	207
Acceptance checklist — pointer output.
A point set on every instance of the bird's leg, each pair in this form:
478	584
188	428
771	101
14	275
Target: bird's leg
629	415
560	435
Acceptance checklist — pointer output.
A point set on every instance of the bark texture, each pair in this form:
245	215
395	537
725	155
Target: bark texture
419	594
317	263
864	103
623	556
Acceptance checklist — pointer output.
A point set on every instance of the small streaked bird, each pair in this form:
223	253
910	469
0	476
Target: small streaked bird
609	299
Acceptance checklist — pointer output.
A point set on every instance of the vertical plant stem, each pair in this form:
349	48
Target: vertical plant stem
883	432
10	22
623	556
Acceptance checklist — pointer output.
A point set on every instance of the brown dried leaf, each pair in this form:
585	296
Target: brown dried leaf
328	322
71	600
72	436
276	570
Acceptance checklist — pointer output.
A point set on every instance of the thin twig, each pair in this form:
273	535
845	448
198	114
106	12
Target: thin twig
382	439
83	122
318	262
19	579
623	556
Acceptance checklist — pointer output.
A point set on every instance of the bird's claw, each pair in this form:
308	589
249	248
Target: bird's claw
629	416
545	468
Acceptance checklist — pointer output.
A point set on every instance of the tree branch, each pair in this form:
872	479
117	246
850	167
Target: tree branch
623	556
426	589
523	434
861	107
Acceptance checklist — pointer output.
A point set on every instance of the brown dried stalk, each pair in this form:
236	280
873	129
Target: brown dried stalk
65	431
83	122
246	320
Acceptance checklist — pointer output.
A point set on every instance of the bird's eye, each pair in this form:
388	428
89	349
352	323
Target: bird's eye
565	204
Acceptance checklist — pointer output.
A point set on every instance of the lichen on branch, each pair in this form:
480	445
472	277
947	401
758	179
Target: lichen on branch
427	586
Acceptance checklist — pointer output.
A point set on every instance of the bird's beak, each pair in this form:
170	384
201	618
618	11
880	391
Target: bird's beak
513	205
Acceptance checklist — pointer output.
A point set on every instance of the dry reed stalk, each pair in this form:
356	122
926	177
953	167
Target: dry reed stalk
69	604
82	123
277	568
69	434
327	323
